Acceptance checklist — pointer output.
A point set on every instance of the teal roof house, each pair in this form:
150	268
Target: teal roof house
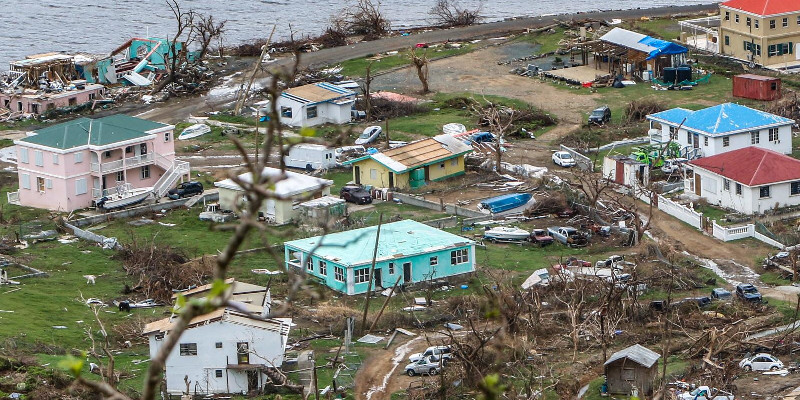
408	250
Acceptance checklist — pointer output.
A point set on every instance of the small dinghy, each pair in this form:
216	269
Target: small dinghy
503	203
194	131
506	233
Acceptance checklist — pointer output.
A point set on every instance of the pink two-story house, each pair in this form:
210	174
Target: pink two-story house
67	166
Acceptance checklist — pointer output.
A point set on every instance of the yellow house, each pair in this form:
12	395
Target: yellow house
412	165
761	31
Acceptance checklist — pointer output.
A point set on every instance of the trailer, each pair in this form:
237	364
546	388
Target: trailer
310	157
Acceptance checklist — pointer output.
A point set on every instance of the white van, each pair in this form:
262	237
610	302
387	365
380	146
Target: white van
310	157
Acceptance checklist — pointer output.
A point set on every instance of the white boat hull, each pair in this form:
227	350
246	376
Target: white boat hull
134	196
194	131
506	234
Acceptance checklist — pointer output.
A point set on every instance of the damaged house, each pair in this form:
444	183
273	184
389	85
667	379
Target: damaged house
316	104
632	367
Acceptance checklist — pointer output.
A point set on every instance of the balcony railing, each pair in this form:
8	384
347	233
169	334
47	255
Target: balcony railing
119	165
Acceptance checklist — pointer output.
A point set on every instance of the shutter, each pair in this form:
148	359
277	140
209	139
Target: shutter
39	158
48	183
25	181
23	155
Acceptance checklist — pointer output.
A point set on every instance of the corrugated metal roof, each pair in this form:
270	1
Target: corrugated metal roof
636	353
317	93
398	239
646	44
294	183
418	153
98	132
724	118
752	166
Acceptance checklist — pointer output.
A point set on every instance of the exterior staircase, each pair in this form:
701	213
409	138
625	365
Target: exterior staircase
174	170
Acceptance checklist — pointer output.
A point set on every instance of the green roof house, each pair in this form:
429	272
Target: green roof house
70	166
407	250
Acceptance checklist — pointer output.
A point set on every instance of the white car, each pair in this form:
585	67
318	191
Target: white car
429	365
761	362
564	159
705	393
443	351
672	165
370	134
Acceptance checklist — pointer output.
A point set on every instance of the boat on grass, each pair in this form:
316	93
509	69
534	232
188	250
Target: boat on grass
506	233
123	196
194	131
503	203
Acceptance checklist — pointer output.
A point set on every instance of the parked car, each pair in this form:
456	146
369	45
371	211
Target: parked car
564	159
720	294
443	351
185	189
748	292
600	115
355	194
761	362
541	237
672	165
370	134
482	137
429	365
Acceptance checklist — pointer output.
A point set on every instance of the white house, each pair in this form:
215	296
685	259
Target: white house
316	104
238	291
225	351
751	180
721	128
289	193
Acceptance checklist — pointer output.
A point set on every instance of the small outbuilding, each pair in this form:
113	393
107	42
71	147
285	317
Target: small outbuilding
756	87
625	171
633	366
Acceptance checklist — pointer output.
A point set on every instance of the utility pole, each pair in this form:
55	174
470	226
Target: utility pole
243	95
371	274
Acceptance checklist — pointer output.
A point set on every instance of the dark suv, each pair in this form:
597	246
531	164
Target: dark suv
600	115
186	189
748	292
355	194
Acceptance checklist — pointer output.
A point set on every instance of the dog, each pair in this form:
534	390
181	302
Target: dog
90	279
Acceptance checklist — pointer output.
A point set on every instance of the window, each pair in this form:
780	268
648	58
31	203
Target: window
705	140
143	148
338	274
120	176
146	172
763	191
78	158
726	141
108	154
773	86
689	137
772	24
785	22
218	373
726	185
755	23
459	256
752	48
727	15
736	18
441	166
25	181
798	20
391	268
673	133
748	21
773	134
373	173
434	261
80	186
243	352
38	158
755	137
795	187
780	49
362	275
23	155
309	263
311	112
159	336
739	189
188	349
166	136
454	162
218	345
323	268
286	112
55	159
40	183
129	150
727	40
19	106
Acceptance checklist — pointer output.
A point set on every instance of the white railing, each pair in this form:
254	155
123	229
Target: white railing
726	234
681	212
126	163
13	198
171	175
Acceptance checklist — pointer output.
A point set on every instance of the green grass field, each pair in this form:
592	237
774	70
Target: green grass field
357	67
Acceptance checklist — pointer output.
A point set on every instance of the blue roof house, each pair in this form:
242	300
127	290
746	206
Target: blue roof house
720	129
407	250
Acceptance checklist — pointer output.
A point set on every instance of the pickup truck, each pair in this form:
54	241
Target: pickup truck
540	237
568	236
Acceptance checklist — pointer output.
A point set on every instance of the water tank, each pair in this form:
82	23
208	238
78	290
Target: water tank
670	74
684	74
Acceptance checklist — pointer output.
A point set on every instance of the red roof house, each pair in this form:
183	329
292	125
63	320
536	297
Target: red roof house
764	7
749	180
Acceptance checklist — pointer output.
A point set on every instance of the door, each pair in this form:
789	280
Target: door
357	172
696	141
407	272
252	381
697	181
619	173
391	179
378	278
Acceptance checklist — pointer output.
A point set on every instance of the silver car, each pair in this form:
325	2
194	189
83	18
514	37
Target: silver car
429	365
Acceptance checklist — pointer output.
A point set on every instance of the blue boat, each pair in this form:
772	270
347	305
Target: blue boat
504	203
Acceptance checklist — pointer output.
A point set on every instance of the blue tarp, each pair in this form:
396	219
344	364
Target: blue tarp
662	47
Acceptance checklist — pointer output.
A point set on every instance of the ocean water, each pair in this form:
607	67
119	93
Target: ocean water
99	26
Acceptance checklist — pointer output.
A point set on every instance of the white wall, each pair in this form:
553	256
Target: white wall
326	113
737	141
267	347
749	202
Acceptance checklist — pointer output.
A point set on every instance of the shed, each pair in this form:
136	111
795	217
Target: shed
756	87
320	211
625	171
633	366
